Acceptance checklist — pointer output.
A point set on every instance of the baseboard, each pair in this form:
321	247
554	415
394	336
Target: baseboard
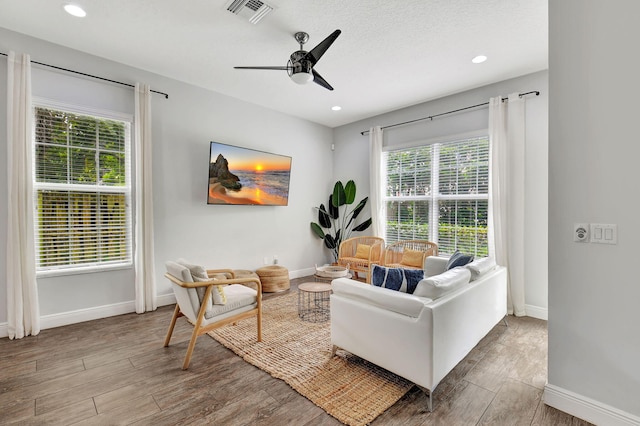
587	409
87	314
537	312
302	273
90	314
166	299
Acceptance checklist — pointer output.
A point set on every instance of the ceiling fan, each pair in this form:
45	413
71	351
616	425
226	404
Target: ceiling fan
301	62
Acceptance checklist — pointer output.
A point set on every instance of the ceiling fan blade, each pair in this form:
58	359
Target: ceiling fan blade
316	53
317	78
262	68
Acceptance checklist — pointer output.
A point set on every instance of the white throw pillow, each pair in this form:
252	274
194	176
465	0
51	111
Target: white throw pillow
446	282
480	267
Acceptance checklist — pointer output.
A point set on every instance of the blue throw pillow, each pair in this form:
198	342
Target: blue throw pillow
458	259
398	279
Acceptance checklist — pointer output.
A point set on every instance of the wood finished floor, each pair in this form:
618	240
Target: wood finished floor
114	371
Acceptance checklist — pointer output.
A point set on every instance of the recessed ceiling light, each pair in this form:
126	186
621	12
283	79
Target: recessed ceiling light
479	59
336	108
75	10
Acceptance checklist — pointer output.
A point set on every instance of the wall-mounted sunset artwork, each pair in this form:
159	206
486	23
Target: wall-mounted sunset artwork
246	176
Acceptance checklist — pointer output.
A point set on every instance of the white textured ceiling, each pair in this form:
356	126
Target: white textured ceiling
391	54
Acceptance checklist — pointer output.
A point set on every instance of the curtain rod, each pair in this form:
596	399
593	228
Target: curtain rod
166	96
431	117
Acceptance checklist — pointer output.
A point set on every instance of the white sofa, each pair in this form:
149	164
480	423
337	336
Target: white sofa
415	337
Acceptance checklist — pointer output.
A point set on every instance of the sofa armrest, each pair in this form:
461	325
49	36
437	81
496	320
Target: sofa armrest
391	300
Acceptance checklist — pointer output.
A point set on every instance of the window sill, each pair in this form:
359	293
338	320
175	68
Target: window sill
82	270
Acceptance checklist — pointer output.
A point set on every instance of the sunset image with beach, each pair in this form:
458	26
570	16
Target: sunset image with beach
245	176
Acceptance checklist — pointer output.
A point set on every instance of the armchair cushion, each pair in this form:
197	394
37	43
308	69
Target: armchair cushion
438	285
217	293
238	296
362	251
403	280
412	258
198	274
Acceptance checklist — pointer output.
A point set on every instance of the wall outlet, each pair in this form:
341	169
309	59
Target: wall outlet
275	259
581	232
266	260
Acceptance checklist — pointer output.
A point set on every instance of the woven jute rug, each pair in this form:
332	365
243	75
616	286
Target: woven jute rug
350	389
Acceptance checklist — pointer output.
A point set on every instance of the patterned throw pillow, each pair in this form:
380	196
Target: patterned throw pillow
399	279
458	259
412	258
362	251
217	292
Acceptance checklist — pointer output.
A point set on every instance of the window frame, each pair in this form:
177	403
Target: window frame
128	190
435	197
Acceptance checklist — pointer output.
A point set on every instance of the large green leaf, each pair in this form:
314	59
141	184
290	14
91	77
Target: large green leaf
329	241
350	192
317	230
357	210
339	196
323	217
333	209
364	225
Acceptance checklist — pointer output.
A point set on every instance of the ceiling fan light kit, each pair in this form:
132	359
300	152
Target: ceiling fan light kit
301	63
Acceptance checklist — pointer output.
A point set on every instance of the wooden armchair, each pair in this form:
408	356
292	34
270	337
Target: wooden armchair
359	253
409	254
194	291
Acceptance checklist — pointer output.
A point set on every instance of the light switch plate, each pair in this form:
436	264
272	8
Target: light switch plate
604	233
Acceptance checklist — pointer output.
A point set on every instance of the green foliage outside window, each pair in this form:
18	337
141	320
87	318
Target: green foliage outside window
454	176
78	223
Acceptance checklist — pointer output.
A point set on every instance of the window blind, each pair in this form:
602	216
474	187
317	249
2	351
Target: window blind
439	192
82	190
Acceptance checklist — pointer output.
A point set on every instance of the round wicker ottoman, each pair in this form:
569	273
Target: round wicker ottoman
274	278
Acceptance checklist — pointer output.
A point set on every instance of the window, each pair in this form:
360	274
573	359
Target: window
439	193
82	190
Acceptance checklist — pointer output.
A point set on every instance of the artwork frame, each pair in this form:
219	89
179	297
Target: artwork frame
246	176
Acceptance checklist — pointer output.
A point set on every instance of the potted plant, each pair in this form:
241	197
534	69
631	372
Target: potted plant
338	219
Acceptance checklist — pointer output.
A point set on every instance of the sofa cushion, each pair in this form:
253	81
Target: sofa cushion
412	258
394	301
438	285
480	267
458	259
434	265
399	279
362	251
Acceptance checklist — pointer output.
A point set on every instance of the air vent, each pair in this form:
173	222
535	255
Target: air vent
253	10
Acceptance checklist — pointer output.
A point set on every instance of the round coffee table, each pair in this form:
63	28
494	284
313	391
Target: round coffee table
313	301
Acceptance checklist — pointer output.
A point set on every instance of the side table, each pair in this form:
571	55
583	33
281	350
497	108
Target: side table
313	301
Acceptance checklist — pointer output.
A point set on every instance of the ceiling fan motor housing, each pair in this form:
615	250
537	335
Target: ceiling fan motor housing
300	69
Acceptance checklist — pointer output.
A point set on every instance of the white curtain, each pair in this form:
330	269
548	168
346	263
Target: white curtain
506	193
376	179
23	311
144	254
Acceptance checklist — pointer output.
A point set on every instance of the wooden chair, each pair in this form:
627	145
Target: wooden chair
409	254
241	302
359	253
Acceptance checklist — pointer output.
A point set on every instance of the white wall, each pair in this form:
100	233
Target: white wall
594	334
185	226
351	158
